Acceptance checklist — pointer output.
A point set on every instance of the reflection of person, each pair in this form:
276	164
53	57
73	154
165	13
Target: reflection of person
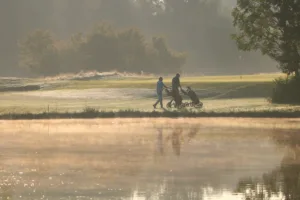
193	132
177	137
159	89
160	146
176	140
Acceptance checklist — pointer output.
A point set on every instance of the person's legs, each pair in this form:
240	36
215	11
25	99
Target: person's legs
174	95
154	105
177	98
169	104
159	100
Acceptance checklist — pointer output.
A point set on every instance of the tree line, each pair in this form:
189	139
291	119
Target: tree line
103	48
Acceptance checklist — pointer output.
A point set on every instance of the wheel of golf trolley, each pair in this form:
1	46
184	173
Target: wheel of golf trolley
199	105
183	105
187	104
180	107
169	105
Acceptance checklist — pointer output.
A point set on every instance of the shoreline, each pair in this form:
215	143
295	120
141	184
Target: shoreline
145	114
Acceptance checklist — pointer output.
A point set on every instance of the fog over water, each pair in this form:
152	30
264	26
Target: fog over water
150	159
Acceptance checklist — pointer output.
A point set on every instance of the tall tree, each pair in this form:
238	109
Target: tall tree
273	28
39	53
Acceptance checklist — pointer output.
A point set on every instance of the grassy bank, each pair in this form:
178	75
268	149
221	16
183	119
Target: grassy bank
37	104
246	86
220	94
90	114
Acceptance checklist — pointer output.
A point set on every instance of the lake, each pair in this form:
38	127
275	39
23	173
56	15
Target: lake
139	159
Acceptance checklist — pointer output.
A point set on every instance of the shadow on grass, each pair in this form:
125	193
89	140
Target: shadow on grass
90	113
25	88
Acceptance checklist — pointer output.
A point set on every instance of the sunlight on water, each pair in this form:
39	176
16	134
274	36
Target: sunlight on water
139	159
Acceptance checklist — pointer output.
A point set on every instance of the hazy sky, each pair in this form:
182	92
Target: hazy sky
202	32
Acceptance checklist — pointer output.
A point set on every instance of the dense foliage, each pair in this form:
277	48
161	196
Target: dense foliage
104	48
273	28
286	90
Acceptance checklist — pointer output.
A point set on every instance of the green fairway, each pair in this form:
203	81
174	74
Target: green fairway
248	86
201	82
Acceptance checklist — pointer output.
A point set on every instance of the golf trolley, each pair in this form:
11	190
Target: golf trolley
181	104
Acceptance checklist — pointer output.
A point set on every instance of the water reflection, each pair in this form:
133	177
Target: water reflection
283	182
6	192
160	142
192	133
176	138
132	160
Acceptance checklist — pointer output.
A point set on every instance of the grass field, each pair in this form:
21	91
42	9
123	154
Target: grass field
203	82
199	82
247	93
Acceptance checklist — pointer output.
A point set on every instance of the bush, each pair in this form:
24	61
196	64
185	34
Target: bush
286	90
90	110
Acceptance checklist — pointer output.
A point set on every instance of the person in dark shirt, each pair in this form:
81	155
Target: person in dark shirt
175	90
176	83
193	96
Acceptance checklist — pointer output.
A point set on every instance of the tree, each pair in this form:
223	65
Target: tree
104	48
70	55
39	54
101	48
272	27
167	60
132	49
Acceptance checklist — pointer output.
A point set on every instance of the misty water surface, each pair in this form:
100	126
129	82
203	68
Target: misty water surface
150	159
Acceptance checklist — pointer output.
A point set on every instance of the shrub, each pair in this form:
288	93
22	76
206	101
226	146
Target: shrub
286	90
90	110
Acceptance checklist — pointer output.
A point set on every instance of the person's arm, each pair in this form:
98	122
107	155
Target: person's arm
179	84
184	92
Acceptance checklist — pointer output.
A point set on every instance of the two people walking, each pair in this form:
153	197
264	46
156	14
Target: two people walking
175	91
